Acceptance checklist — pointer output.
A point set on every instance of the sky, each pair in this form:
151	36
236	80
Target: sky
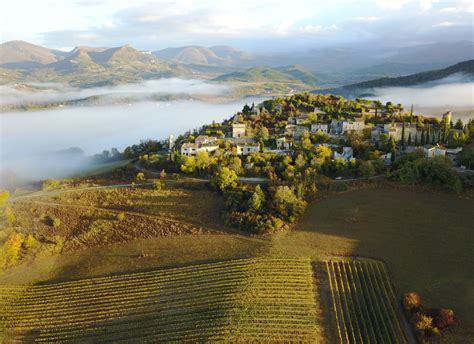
253	25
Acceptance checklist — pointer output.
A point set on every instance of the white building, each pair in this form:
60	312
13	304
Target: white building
320	126
341	127
283	143
238	130
211	147
189	149
247	149
295	130
347	154
395	130
204	139
432	151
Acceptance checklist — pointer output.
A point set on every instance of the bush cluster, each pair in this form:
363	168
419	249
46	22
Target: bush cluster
426	322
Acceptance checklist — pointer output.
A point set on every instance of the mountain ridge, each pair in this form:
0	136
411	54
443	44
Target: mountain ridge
459	72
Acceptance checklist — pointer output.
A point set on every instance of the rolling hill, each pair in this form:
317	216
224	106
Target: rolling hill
214	56
24	55
460	72
86	66
289	74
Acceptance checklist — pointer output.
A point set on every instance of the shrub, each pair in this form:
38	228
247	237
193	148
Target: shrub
10	250
411	301
140	176
287	204
120	217
443	317
30	242
158	185
4	197
49	184
423	322
53	221
9	215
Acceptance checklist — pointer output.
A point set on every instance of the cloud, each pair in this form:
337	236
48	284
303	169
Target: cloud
446	24
367	19
391	4
317	28
258	26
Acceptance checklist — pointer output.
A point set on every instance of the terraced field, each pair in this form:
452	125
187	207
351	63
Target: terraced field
364	303
246	300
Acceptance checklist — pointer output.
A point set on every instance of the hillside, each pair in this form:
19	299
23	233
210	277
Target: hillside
198	55
87	67
246	300
24	55
263	74
460	72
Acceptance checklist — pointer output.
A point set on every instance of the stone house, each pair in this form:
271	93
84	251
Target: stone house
245	149
238	130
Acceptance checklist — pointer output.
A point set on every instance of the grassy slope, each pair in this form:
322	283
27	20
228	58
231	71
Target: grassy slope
425	239
244	300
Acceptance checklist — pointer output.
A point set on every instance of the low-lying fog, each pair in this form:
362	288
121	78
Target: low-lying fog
29	141
54	92
434	100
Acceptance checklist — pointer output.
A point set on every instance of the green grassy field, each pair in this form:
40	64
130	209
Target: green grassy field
249	300
425	238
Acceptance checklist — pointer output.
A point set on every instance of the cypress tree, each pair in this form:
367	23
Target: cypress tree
416	139
422	141
411	114
409	138
439	136
403	133
445	129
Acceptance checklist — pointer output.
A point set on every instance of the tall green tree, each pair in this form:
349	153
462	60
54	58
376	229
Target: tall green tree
224	179
459	124
403	134
257	199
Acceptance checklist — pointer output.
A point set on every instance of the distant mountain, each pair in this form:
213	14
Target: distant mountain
87	66
214	56
347	65
460	72
263	74
24	55
101	59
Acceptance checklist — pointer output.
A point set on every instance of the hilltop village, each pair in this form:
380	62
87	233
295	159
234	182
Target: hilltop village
294	146
283	126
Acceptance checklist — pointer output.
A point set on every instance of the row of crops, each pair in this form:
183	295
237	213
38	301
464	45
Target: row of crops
364	302
247	300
